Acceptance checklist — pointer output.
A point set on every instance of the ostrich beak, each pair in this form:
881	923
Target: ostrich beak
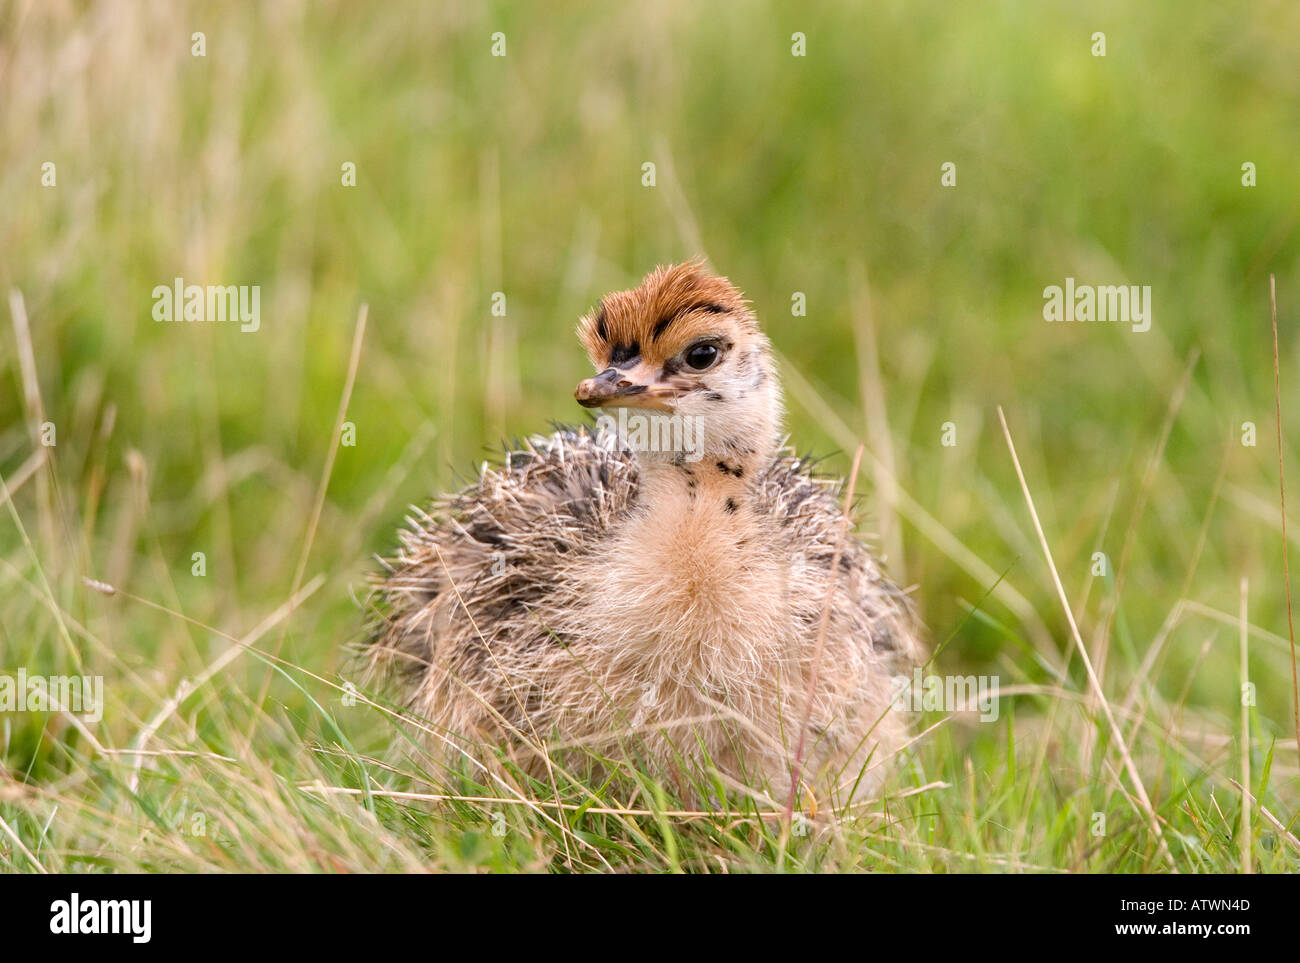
634	388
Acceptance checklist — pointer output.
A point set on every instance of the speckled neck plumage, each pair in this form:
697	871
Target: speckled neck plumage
713	496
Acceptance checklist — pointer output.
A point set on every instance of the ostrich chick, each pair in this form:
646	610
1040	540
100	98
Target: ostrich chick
655	592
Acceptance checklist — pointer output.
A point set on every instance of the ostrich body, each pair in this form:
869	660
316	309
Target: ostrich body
593	593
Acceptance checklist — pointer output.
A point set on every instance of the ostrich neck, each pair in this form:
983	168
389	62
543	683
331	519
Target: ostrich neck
714	485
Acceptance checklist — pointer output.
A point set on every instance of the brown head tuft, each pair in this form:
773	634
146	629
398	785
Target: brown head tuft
674	304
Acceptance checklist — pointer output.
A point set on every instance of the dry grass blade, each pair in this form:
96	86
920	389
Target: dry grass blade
587	808
25	471
318	504
1272	820
872	391
916	515
1246	848
1281	482
1143	799
22	848
34	405
187	688
354	363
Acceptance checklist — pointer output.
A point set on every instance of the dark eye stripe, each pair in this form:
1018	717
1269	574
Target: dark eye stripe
602	331
623	353
708	306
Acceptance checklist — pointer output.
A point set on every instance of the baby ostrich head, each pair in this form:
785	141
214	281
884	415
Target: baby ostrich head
684	346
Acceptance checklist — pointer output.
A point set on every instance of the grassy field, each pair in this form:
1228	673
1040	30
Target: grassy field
236	734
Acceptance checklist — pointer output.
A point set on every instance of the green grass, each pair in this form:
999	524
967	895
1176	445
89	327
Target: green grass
523	175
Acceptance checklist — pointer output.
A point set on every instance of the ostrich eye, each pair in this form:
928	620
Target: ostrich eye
701	356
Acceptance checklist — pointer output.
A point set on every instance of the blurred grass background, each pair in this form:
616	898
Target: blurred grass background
523	174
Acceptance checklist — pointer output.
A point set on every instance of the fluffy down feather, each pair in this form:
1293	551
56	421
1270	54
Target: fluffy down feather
533	607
